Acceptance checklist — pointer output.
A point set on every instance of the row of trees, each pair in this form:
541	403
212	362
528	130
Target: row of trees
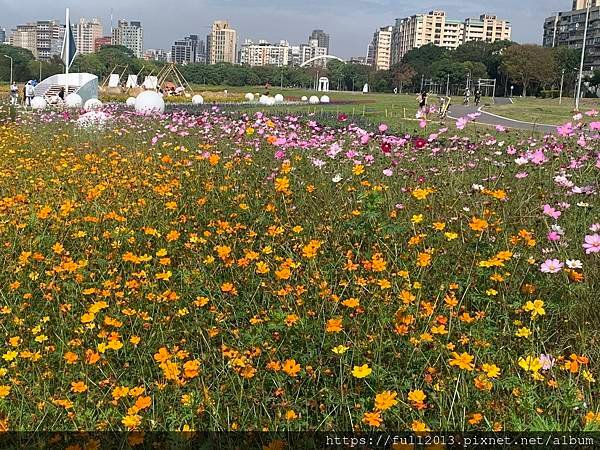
530	69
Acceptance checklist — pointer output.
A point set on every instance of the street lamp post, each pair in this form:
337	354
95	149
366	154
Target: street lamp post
11	68
562	82
40	79
585	29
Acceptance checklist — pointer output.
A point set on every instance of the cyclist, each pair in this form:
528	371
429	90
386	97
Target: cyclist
477	97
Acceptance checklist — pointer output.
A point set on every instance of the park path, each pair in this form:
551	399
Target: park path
457	111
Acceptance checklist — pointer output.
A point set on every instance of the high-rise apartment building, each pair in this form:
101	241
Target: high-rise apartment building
436	28
264	53
221	43
130	35
313	50
2	35
43	38
380	49
567	28
25	36
582	4
186	50
86	32
321	37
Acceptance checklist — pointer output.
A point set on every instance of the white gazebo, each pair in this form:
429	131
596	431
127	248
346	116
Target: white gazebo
323	84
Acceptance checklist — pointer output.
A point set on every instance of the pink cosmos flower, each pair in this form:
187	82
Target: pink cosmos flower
592	244
388	172
551	266
422	123
461	123
553	236
551	212
383	128
595	126
565	130
500	128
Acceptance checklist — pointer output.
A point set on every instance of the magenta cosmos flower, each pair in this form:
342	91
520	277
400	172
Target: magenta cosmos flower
420	143
592	244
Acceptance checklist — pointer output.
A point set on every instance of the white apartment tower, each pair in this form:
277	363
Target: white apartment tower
221	43
86	32
436	28
380	49
130	35
264	53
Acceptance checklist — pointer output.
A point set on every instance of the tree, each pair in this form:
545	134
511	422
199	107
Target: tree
401	74
421	59
528	63
22	59
567	60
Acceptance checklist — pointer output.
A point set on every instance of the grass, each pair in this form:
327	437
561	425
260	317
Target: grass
234	272
542	111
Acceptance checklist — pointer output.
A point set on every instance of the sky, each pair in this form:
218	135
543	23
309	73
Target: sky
351	23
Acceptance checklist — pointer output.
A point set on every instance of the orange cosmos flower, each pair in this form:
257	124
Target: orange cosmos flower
291	367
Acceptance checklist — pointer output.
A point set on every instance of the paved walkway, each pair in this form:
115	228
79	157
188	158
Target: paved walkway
457	111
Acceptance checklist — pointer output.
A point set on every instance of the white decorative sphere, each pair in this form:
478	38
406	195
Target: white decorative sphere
93	119
130	102
149	102
197	100
271	101
38	103
325	99
304	98
264	100
313	100
279	98
73	101
250	97
92	104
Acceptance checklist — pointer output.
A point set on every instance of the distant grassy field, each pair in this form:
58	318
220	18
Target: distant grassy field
546	111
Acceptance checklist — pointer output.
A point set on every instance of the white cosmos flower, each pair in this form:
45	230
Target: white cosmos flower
574	264
337	178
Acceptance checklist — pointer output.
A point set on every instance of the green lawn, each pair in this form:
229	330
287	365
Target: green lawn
543	111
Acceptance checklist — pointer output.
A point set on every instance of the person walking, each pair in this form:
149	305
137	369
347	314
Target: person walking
422	100
14	94
29	93
61	94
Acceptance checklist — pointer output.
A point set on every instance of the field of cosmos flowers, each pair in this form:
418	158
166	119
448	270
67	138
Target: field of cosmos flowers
231	271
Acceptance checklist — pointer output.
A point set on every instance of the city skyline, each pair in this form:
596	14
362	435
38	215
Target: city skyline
262	20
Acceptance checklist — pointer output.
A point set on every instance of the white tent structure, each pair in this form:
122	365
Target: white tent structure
132	81
151	83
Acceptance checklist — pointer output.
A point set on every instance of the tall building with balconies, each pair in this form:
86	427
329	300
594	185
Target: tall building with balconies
436	28
43	38
264	53
321	37
86	32
380	48
313	50
221	43
130	35
186	50
566	28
